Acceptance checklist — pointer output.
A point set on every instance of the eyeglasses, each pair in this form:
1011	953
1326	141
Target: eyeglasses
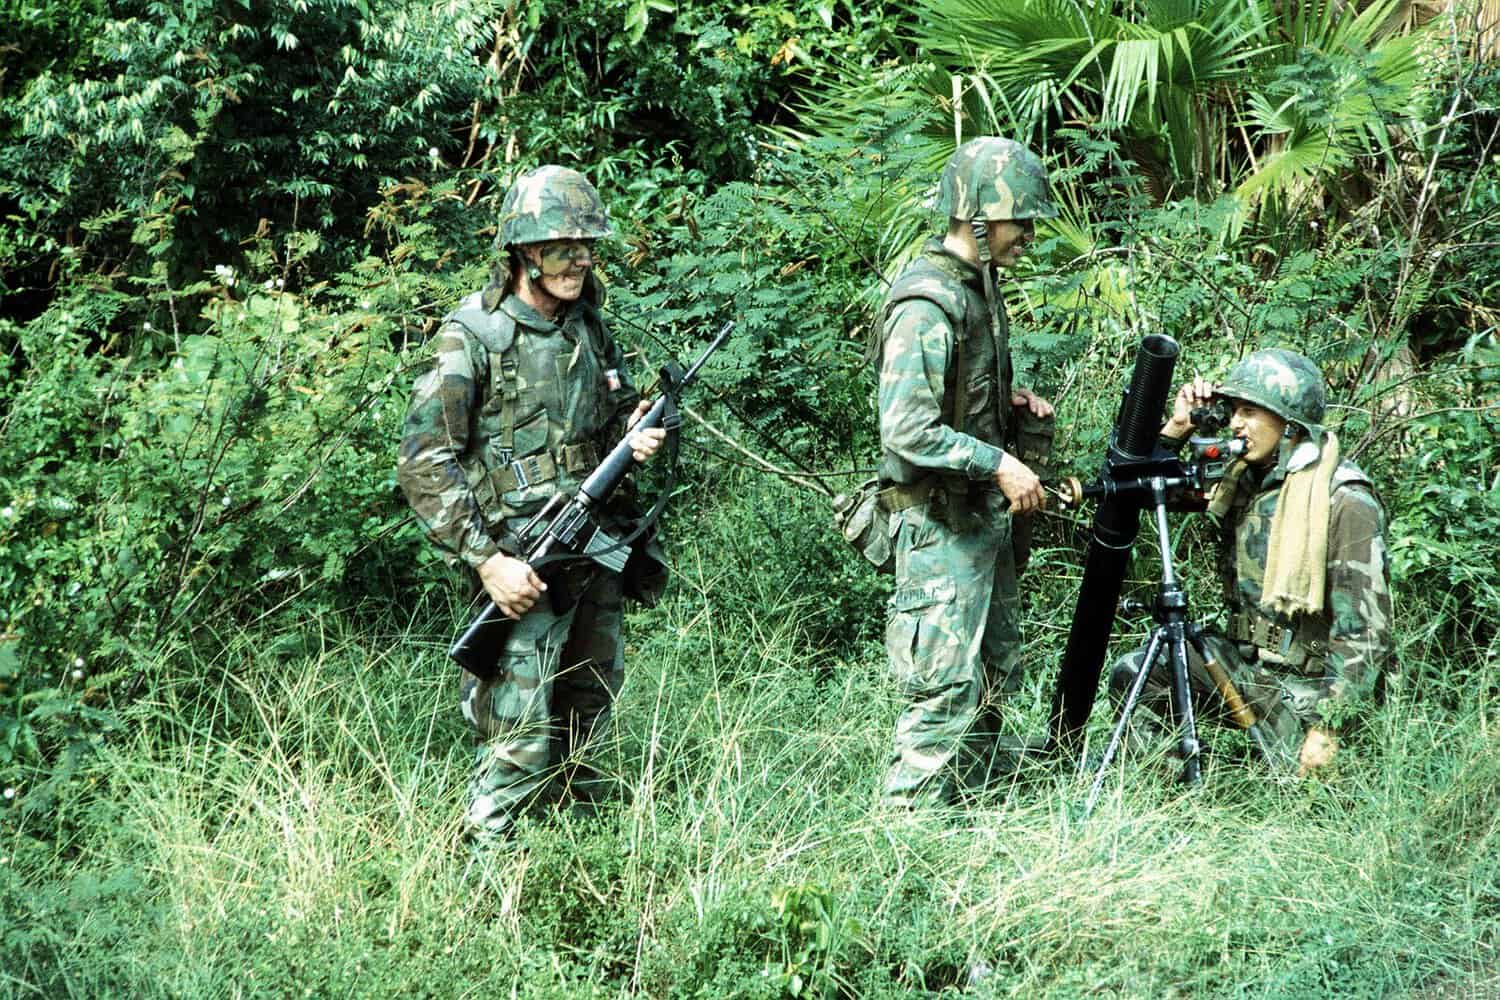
559	257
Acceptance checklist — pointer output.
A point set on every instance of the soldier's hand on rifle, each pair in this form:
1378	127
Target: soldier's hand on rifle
1192	395
1036	404
1020	485
512	584
643	444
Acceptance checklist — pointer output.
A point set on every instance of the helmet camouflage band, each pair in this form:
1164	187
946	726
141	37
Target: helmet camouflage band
552	203
1283	382
995	179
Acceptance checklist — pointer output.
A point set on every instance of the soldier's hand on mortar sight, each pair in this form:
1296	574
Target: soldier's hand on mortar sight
1198	392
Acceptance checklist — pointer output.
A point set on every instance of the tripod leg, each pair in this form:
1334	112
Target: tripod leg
1182	706
1127	708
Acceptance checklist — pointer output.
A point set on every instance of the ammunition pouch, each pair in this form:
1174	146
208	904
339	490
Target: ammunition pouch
958	505
863	517
522	473
899	496
1029	438
644	577
865	522
1277	643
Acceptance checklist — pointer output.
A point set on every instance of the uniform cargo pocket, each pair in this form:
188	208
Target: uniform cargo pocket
531	436
979	394
916	616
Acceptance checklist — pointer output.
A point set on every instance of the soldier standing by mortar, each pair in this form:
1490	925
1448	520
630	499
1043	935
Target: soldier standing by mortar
946	400
528	391
1302	558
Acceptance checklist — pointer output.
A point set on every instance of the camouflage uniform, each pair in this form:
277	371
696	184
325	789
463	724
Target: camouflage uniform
1301	670
515	409
953	633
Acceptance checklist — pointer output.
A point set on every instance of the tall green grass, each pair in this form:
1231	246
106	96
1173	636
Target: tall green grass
286	824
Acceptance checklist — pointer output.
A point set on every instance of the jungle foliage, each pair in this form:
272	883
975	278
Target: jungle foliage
225	232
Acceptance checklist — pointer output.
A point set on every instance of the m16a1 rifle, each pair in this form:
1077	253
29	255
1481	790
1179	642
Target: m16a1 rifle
567	528
1139	473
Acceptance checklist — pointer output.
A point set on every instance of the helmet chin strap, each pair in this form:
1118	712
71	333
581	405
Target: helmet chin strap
980	228
981	231
1292	439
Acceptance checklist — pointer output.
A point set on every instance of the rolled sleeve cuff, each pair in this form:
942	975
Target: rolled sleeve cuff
984	461
476	554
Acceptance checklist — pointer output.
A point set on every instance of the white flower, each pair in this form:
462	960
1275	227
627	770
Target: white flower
7	512
78	675
77	662
146	326
10	793
432	152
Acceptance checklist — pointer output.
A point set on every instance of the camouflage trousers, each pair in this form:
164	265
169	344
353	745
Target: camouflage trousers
1284	700
954	640
558	678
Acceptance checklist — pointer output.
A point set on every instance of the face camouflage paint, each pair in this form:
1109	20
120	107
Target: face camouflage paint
557	258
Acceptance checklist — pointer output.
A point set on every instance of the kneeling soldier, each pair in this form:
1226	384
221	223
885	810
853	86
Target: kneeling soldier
1302	558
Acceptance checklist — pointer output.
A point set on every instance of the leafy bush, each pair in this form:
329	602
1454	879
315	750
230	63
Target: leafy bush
191	121
148	506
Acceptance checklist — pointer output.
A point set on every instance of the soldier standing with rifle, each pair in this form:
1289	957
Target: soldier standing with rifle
527	392
942	351
1302	558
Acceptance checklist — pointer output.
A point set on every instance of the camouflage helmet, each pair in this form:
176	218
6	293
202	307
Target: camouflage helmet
995	179
551	203
1283	382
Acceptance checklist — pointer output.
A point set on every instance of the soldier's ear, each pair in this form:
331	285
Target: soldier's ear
533	269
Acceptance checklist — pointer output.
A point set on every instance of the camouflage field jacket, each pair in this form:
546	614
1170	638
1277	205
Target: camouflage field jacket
934	312
1346	646
514	409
